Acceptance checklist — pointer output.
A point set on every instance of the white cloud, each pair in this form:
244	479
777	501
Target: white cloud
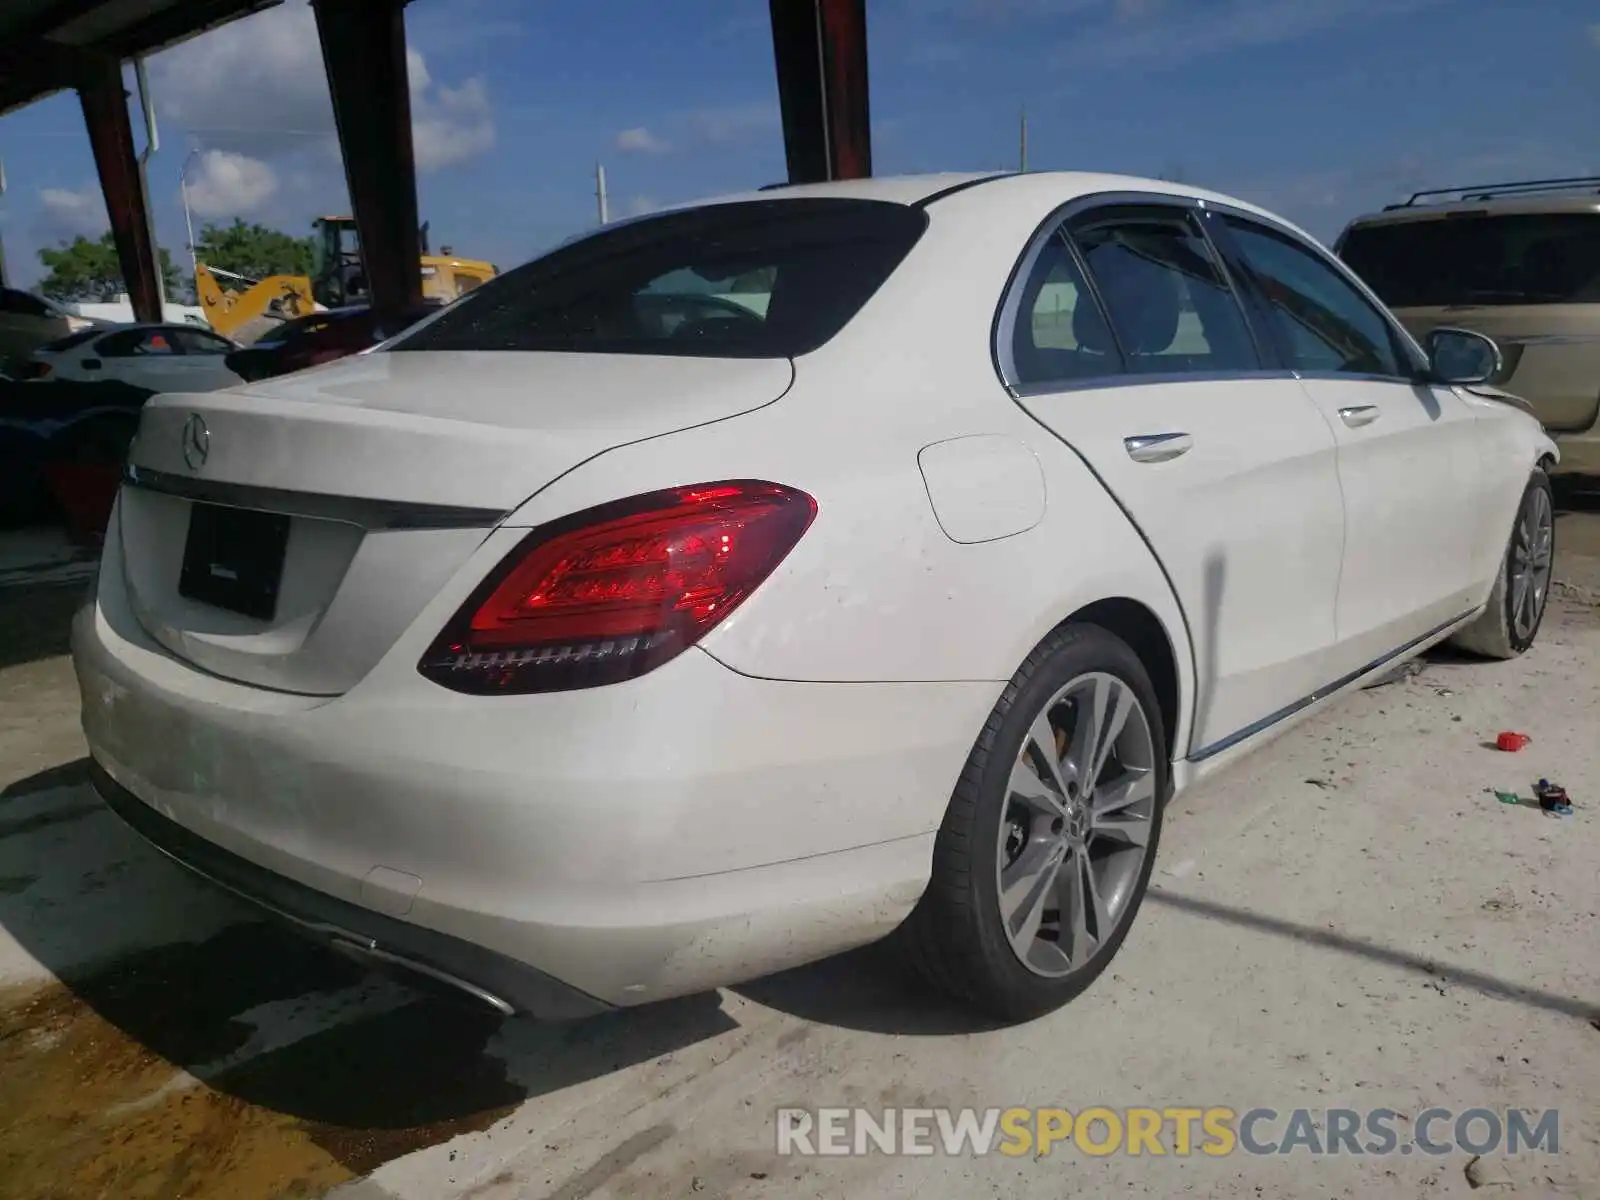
257	83
733	122
258	87
1594	34
417	70
72	211
640	140
450	125
223	183
637	206
722	125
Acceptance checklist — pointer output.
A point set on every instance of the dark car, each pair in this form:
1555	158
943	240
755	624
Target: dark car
307	341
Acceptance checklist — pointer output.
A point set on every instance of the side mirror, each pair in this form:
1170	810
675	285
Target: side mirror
1461	356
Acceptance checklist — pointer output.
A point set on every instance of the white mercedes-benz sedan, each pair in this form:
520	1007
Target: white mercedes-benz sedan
753	580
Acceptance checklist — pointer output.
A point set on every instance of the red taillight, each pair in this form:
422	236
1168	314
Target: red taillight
38	370
613	592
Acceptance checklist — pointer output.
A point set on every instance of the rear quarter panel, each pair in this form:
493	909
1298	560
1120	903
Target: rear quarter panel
876	591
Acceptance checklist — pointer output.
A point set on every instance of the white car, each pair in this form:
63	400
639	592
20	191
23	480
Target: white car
579	657
156	357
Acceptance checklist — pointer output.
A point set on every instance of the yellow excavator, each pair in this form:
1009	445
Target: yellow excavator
244	309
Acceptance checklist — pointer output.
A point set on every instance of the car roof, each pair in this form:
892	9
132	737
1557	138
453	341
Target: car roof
1510	206
1031	194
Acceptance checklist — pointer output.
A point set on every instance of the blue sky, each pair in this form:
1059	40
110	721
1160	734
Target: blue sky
1319	109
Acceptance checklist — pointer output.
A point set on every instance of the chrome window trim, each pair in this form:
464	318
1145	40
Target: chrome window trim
1332	261
1351	376
1136	379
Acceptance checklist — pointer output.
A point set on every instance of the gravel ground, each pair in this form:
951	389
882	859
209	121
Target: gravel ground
1347	920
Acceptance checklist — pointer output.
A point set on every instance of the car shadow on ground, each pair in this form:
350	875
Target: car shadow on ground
296	1047
36	621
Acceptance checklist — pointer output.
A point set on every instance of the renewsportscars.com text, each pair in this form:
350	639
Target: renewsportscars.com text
1181	1131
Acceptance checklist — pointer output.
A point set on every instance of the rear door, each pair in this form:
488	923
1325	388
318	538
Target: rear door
1226	468
1418	552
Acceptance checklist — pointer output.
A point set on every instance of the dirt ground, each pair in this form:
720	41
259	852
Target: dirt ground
1350	919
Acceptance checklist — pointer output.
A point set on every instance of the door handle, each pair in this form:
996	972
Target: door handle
1359	415
1157	447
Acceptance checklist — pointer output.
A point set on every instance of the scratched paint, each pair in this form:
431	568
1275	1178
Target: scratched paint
253	1066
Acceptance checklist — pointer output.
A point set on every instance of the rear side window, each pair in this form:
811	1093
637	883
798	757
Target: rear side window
765	279
1479	258
1060	333
1169	304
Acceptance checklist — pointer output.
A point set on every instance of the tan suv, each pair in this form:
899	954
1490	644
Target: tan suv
1519	262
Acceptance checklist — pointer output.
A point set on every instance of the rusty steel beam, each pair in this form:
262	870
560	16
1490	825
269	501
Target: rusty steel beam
105	112
364	51
820	50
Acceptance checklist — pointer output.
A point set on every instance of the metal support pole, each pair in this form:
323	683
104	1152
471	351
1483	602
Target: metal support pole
820	51
105	112
364	52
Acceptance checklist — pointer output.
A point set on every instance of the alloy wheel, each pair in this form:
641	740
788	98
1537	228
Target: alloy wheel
1532	554
1080	805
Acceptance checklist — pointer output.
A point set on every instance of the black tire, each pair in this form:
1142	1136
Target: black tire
955	938
1495	633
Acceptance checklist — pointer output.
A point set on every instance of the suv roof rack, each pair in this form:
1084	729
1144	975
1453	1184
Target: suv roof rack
1490	191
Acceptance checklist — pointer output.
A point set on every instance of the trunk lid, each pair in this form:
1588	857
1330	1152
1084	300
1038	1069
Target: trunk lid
387	471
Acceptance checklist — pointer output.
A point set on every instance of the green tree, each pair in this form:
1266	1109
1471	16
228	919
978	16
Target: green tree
254	251
83	270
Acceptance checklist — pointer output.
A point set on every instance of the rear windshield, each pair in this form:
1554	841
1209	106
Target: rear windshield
1521	258
764	279
73	339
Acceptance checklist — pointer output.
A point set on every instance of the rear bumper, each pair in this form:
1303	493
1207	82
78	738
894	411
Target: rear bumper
493	979
687	829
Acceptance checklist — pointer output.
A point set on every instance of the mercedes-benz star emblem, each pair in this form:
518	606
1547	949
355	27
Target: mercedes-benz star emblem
196	441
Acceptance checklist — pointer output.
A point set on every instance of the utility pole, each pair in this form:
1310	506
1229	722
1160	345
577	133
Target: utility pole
1023	138
600	192
152	143
188	221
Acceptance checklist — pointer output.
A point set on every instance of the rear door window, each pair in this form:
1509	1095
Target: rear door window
764	279
1479	259
1169	303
